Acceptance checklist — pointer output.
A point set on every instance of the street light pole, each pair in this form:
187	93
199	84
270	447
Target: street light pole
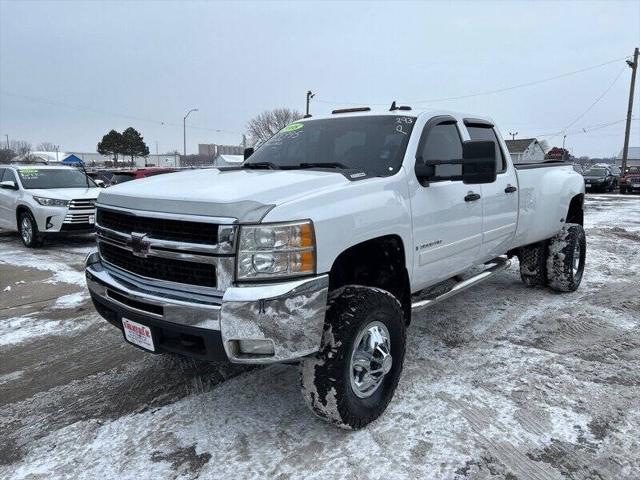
513	135
563	150
627	131
7	135
184	129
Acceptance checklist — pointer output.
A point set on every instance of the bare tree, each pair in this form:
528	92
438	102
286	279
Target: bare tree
47	147
268	123
6	155
20	147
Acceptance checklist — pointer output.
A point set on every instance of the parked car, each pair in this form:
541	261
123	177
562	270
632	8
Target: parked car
321	245
630	181
121	176
102	178
39	200
599	178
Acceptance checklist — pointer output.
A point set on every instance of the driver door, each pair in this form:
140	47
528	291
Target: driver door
447	214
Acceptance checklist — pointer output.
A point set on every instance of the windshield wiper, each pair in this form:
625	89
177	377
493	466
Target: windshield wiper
268	165
324	165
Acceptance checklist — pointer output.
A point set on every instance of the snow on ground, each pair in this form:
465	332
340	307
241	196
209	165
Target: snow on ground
61	270
72	300
501	381
20	329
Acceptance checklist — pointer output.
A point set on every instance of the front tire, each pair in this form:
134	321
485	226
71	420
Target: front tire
352	379
566	260
28	229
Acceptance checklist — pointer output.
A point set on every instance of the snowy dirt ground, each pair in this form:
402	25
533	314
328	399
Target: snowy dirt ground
501	381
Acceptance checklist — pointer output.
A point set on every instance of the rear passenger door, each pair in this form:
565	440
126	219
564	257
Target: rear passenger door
500	198
447	229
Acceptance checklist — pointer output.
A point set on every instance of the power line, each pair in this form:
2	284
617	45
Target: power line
82	108
596	100
585	129
487	92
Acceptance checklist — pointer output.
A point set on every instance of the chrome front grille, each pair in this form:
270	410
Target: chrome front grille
81	212
82	204
179	252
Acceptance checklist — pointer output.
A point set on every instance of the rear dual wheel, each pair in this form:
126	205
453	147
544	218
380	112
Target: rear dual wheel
557	263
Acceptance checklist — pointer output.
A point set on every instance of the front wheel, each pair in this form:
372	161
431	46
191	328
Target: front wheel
28	229
566	259
352	379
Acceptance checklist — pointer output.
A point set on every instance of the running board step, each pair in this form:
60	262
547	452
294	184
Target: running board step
494	266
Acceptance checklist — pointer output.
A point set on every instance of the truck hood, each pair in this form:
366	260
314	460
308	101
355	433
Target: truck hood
246	195
65	193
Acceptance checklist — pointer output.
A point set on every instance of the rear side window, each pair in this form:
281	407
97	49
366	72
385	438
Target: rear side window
478	132
121	177
444	143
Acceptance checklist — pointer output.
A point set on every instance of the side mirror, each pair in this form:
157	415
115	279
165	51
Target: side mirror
98	182
478	162
9	185
248	152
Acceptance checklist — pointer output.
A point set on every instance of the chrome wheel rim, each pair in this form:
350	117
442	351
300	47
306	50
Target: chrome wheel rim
27	230
577	252
370	360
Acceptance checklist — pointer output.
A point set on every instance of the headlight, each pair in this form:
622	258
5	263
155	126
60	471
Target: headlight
51	202
276	251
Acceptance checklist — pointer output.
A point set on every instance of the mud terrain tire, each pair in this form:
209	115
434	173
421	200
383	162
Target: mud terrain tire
327	378
533	264
566	260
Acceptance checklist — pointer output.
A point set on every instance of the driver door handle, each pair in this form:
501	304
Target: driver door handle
472	197
510	189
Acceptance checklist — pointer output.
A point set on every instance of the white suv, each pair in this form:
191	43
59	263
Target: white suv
38	200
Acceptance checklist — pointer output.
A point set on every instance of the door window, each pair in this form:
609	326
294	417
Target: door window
9	175
443	143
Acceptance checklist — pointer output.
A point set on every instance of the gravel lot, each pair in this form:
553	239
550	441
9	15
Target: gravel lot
499	382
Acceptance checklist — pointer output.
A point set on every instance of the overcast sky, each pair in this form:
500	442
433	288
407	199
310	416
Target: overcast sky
70	72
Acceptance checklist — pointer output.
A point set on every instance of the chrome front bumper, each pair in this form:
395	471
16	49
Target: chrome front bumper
286	317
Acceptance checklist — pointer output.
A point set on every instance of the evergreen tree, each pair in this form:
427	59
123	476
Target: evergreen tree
133	144
111	144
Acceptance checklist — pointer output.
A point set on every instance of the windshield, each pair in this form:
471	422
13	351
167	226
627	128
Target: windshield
596	171
33	177
372	144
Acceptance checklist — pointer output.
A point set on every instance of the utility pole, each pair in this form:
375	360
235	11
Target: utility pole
627	130
244	141
184	130
564	138
310	95
6	135
513	135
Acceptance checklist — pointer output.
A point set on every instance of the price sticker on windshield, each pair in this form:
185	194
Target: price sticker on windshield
293	127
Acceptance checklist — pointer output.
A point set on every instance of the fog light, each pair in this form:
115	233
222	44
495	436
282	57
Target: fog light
49	224
256	347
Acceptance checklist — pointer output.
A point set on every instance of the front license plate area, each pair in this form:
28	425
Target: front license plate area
138	334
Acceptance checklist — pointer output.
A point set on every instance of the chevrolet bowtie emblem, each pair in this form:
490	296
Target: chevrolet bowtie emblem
139	244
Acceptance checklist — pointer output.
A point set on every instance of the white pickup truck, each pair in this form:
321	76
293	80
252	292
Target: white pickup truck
319	247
